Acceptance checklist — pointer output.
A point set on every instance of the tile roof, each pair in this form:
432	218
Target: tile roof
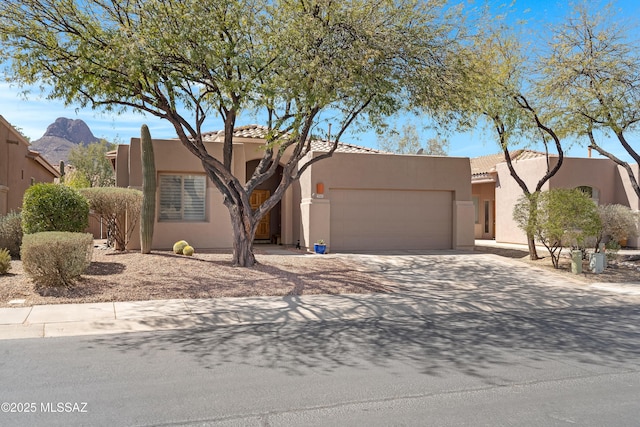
260	132
484	165
249	131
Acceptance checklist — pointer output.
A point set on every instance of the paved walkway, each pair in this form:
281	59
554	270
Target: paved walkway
438	282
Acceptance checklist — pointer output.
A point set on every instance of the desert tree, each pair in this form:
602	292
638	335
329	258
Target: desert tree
91	162
563	217
300	64
499	90
408	141
593	70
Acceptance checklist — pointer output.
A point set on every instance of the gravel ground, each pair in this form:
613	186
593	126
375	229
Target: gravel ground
617	271
131	276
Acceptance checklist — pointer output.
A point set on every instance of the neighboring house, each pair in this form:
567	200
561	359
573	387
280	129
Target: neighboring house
20	168
495	192
359	199
484	179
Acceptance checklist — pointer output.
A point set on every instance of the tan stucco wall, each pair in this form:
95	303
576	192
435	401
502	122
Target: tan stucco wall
592	172
599	173
384	173
625	195
300	207
216	231
17	169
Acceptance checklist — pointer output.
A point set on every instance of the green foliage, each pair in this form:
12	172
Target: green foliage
592	71
618	223
56	259
178	247
5	261
611	250
148	210
188	251
11	233
524	213
500	91
300	64
560	217
53	207
91	162
408	142
118	208
76	180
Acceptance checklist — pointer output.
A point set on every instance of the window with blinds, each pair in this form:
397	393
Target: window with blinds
182	197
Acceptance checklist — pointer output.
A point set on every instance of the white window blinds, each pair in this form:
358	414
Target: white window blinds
182	197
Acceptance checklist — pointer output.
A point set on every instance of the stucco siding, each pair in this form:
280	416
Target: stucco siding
378	202
370	201
596	173
18	168
508	192
601	174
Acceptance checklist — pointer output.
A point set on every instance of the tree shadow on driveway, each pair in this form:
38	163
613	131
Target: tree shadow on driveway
472	314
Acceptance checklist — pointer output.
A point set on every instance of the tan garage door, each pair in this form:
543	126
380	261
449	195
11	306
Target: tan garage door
390	219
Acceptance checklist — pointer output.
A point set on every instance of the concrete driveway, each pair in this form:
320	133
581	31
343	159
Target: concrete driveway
467	281
424	284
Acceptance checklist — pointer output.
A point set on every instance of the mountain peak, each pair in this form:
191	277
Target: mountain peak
72	130
61	137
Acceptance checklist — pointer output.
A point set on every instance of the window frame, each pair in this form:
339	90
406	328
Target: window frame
162	216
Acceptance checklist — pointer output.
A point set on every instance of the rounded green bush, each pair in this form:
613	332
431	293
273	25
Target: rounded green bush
188	250
54	207
178	247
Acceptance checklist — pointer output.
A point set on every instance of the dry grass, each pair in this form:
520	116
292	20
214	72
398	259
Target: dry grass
131	276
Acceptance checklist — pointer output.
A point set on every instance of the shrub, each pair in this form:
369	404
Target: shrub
5	261
118	208
53	207
560	217
618	223
56	259
11	233
178	247
76	179
188	251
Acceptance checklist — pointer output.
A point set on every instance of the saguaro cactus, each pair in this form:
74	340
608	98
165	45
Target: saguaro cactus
61	169
148	211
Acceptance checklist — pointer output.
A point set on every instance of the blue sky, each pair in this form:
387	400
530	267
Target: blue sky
34	114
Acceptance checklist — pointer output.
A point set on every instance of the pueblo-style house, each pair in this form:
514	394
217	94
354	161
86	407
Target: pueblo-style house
359	199
495	192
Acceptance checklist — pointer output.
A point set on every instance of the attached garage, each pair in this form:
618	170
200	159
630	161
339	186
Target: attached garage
365	219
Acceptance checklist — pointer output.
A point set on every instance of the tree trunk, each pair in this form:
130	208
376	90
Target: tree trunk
533	253
531	241
243	233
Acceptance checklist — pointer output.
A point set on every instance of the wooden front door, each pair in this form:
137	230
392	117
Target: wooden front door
258	197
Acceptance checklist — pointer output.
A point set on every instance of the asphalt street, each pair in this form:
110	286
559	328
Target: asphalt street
548	367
